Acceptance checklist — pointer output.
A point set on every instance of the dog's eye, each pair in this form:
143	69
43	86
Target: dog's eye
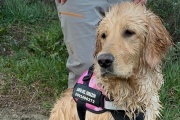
103	36
128	33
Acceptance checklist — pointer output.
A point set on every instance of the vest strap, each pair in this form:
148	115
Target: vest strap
81	109
109	105
121	115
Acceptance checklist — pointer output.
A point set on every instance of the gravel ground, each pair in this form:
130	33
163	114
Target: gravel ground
15	105
11	114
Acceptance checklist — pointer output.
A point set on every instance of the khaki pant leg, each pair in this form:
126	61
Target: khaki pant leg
79	20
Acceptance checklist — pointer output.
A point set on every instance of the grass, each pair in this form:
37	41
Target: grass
170	92
31	46
33	55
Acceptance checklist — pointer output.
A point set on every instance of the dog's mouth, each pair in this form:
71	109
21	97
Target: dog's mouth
107	72
110	74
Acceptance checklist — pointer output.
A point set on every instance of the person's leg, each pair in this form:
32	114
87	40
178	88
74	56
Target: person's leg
78	21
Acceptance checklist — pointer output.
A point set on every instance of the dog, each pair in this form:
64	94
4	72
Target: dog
131	43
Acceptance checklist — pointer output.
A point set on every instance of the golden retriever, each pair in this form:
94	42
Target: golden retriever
131	43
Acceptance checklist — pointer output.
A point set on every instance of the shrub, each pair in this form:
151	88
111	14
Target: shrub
169	11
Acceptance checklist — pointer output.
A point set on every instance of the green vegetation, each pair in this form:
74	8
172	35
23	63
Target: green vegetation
31	45
33	55
169	11
170	92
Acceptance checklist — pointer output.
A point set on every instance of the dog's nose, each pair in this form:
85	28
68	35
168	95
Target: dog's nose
105	60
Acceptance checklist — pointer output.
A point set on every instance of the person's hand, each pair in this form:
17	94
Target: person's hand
142	2
62	1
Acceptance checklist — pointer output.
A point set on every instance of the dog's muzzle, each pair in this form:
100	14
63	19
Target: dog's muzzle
105	60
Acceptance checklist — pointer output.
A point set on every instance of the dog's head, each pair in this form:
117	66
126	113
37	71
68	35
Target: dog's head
129	37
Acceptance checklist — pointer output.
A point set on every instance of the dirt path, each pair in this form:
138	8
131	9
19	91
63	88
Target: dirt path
14	105
18	111
11	114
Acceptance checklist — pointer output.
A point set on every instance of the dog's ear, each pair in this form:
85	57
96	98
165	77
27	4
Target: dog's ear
98	47
158	41
101	12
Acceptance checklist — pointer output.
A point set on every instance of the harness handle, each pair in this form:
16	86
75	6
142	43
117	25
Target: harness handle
81	106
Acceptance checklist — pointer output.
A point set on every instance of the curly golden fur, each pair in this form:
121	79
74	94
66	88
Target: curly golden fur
137	41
